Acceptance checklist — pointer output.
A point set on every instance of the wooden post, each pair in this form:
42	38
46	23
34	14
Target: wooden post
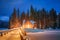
1	34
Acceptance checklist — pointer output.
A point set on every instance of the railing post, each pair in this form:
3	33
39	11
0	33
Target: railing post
4	33
1	34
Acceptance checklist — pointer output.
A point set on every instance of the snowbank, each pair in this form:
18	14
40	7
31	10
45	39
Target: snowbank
41	30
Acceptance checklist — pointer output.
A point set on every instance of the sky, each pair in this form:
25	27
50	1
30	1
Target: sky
7	6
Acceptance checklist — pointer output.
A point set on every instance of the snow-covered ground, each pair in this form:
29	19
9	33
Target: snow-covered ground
44	36
48	34
33	30
41	30
34	34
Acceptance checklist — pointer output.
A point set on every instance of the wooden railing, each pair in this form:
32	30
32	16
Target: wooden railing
4	32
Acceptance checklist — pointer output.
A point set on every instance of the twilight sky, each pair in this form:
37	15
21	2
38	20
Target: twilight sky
6	6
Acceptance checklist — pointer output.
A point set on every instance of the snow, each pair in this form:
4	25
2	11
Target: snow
34	34
45	35
40	30
32	30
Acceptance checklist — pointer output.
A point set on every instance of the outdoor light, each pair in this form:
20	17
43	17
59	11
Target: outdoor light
28	25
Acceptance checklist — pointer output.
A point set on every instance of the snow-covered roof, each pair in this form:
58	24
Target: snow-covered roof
32	21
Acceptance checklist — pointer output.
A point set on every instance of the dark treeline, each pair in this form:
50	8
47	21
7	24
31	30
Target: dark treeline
44	19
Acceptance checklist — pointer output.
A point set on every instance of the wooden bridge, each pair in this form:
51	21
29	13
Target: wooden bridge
13	34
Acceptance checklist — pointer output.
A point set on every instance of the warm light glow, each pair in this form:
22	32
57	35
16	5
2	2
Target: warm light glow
28	24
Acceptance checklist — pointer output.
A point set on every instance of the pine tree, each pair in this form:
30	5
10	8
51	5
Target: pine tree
19	17
32	13
22	17
27	16
58	21
53	16
43	18
18	14
13	20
